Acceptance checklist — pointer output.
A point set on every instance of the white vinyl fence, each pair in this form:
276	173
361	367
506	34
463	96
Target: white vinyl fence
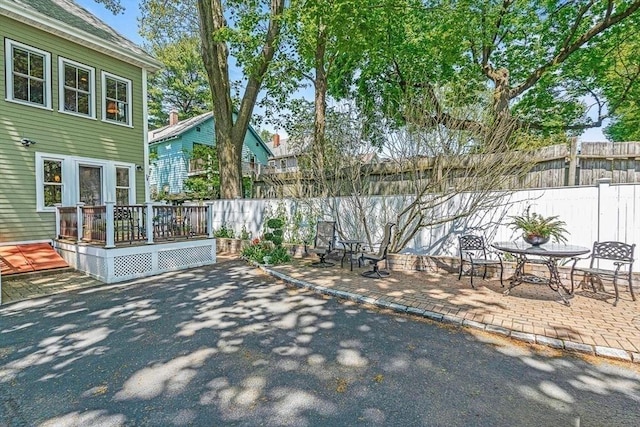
598	213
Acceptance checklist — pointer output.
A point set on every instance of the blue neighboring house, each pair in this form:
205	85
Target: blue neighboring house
170	148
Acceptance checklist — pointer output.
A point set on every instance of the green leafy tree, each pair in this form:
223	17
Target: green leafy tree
247	31
540	59
625	121
321	40
206	185
253	36
265	135
182	84
626	125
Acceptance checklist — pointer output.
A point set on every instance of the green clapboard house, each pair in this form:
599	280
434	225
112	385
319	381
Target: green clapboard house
72	116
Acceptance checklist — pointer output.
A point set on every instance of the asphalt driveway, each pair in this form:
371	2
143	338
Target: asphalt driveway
228	345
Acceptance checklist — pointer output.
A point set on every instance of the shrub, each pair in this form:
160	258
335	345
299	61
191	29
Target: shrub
261	248
244	234
274	231
224	231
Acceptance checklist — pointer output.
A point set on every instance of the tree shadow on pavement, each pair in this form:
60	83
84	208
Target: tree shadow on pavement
228	345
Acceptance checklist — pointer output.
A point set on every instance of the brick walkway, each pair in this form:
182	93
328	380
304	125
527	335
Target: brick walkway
27	286
532	313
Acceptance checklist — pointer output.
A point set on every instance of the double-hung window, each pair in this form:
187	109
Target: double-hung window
116	99
28	74
52	182
77	88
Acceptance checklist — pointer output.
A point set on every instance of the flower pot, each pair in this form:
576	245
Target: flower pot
297	250
534	240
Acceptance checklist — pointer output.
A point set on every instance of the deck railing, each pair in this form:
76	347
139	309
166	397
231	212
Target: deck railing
130	223
179	221
112	225
68	222
94	223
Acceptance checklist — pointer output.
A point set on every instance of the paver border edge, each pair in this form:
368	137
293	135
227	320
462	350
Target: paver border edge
609	353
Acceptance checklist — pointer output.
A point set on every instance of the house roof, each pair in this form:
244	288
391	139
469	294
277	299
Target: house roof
285	148
70	21
174	131
282	149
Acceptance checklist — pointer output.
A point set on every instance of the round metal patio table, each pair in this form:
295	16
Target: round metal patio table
350	247
548	254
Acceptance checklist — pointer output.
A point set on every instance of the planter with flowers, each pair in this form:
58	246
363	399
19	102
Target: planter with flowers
268	250
537	229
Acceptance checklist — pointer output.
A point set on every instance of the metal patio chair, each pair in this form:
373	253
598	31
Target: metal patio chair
474	252
619	254
380	255
324	242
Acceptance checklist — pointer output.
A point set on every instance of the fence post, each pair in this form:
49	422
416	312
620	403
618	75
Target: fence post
209	219
80	220
607	211
110	226
149	223
573	162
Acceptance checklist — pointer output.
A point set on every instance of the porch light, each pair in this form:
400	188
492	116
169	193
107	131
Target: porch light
27	142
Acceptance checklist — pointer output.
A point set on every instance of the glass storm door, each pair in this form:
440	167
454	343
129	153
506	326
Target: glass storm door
90	183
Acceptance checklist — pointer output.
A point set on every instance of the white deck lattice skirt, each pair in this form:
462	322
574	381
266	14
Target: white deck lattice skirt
120	264
171	259
127	265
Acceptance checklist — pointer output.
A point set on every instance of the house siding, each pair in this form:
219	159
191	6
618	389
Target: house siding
171	168
58	133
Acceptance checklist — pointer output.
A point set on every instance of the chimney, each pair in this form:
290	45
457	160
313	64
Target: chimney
173	117
276	140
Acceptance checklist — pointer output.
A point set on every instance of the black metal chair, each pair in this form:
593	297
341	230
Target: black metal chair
474	252
324	242
619	254
376	257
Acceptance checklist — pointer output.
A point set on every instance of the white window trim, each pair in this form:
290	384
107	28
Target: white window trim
70	178
92	88
132	180
40	158
8	45
104	76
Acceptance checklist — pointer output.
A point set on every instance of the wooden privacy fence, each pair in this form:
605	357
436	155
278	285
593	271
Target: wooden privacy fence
559	165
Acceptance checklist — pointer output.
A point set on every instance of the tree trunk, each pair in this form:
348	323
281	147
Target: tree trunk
502	128
230	134
320	86
230	167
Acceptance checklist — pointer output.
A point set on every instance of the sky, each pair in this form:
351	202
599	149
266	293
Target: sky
127	25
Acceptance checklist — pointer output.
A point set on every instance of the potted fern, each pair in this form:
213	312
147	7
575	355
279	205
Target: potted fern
537	229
